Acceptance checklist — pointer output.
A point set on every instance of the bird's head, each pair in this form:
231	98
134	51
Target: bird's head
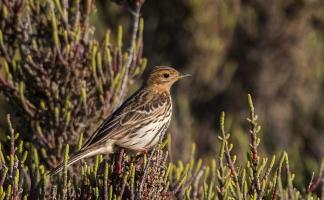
163	77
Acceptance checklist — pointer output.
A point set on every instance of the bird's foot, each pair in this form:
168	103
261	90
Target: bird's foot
119	168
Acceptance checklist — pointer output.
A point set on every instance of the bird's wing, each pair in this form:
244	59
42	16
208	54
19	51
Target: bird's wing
138	109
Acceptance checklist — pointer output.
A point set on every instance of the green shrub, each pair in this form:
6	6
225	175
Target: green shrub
60	80
155	177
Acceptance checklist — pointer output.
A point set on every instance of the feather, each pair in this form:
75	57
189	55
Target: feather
106	148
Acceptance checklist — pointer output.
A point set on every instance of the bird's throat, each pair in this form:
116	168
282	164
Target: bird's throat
160	88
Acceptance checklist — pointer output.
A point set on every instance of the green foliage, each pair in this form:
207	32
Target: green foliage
58	77
155	177
273	49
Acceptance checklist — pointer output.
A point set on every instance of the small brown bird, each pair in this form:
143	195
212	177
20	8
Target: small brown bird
139	123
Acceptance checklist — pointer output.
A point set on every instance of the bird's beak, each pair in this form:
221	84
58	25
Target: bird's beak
184	75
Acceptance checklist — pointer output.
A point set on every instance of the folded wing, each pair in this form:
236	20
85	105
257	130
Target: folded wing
139	109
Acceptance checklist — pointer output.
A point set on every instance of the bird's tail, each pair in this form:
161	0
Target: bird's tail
78	156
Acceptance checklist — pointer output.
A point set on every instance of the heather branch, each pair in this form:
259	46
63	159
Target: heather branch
313	184
65	176
136	15
3	49
222	174
183	181
254	158
145	173
266	177
17	94
277	186
230	161
289	178
61	64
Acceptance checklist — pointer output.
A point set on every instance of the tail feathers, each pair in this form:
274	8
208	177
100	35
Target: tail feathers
78	156
90	151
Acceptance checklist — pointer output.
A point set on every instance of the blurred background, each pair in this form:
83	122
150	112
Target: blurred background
271	49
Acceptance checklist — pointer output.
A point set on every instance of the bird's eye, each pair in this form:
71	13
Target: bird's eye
166	75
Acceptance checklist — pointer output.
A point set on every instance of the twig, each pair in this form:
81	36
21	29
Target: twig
254	129
12	135
136	15
194	179
5	53
266	176
311	183
274	192
105	196
312	186
13	161
3	82
145	174
289	180
221	171
123	185
228	156
197	179
28	107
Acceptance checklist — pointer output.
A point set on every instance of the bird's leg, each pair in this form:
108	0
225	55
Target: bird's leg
119	162
144	152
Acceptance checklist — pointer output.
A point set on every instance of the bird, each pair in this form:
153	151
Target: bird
138	124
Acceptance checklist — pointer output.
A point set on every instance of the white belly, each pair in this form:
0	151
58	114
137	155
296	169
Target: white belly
147	136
